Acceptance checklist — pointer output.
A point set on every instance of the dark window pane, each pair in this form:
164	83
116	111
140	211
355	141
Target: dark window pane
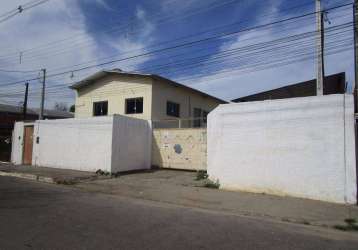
139	105
130	106
205	116
100	108
173	109
134	106
197	117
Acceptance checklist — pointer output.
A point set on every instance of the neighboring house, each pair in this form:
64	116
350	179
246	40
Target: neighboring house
333	84
9	114
143	96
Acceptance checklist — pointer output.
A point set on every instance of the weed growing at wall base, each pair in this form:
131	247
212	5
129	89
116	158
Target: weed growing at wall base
351	225
201	175
211	184
106	173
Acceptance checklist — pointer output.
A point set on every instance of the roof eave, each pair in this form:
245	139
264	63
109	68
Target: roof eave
101	74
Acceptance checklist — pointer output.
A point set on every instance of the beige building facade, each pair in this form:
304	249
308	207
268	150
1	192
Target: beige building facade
150	97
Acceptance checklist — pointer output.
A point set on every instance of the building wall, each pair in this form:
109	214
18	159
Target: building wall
132	143
17	143
79	144
333	84
179	148
115	89
188	100
301	147
112	143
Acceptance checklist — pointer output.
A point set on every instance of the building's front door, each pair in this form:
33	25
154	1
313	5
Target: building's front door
28	144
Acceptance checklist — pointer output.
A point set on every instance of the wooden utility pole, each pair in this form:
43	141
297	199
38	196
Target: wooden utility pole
355	83
25	101
41	114
320	48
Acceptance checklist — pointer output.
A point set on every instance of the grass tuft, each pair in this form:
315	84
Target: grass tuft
106	173
201	175
211	184
350	225
350	221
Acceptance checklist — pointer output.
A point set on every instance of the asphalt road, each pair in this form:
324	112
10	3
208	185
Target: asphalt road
42	216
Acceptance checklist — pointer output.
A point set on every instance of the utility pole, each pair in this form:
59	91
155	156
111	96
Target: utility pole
355	84
41	114
25	101
320	48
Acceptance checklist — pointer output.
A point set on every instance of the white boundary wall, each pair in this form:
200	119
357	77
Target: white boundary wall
131	144
17	143
301	147
112	143
80	144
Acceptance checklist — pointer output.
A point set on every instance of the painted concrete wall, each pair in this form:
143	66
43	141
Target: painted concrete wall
179	148
112	143
301	147
17	143
188	100
132	143
80	144
115	89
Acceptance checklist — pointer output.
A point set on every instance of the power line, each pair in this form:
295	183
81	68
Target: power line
69	50
124	53
187	44
54	52
18	71
114	56
6	16
129	24
258	53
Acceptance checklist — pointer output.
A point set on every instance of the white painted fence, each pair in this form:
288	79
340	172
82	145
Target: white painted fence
115	143
301	147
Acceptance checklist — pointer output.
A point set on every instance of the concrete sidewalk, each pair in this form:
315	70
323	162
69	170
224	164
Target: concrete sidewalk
180	188
48	175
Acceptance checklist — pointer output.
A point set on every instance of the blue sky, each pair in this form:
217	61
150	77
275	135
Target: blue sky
64	35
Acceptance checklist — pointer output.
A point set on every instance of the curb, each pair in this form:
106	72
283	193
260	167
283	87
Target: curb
29	177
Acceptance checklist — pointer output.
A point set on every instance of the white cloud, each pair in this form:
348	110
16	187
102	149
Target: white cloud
62	19
134	42
233	84
36	27
59	20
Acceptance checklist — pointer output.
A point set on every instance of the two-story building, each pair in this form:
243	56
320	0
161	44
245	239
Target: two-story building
145	96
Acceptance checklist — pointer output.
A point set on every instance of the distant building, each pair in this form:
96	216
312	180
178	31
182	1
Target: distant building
333	84
10	114
144	96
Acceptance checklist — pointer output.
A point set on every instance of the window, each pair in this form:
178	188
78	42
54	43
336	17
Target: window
100	108
205	116
197	117
134	105
173	109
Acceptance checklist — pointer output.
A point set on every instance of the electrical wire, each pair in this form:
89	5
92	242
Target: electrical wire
259	52
8	15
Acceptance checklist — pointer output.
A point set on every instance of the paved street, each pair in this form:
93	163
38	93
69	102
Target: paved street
43	216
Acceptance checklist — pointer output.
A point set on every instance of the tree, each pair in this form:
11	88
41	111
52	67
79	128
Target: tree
60	106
